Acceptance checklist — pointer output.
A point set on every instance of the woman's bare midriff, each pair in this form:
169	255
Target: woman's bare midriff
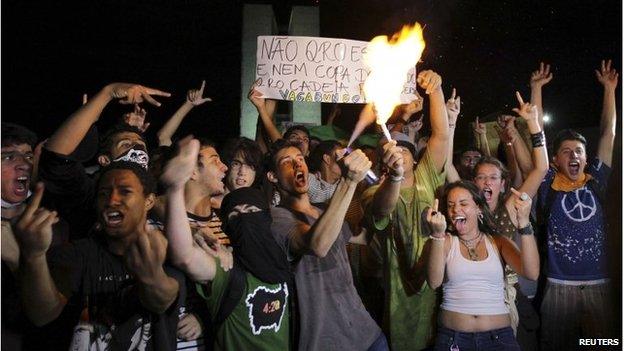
469	323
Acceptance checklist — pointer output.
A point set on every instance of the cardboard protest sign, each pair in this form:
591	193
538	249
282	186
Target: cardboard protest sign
310	69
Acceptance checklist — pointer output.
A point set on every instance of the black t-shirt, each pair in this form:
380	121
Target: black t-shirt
104	291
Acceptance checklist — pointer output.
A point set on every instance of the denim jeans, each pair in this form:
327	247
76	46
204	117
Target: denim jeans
497	339
381	344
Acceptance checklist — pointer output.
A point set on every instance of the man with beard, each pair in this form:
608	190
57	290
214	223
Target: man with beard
68	187
332	314
115	279
249	304
576	302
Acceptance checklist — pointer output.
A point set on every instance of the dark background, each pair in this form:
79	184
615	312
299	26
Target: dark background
53	52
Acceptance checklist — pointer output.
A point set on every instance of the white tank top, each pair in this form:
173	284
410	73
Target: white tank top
474	287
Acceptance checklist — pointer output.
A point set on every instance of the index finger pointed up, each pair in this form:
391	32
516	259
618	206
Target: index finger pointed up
436	202
453	94
203	85
85	98
519	97
516	192
35	202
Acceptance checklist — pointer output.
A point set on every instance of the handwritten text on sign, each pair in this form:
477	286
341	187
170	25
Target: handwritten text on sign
310	69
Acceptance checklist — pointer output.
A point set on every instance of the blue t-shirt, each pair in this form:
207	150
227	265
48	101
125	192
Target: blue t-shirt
576	228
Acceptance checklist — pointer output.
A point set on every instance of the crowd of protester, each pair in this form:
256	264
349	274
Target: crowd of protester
284	242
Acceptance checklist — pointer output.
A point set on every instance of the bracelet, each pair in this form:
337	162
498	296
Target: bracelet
396	179
537	139
528	230
435	238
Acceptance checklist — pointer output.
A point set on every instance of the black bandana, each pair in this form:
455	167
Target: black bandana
247	222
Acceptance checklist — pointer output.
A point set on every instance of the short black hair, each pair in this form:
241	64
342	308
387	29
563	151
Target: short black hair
567	134
409	146
146	179
106	142
270	158
15	134
205	142
323	148
292	129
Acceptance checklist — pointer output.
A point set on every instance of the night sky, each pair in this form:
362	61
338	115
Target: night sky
55	51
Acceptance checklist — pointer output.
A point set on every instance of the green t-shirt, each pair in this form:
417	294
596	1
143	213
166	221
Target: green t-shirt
409	320
260	321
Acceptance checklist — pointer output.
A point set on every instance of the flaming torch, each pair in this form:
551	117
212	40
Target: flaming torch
389	62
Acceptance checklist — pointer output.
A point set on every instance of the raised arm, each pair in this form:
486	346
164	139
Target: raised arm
453	107
522	154
41	300
608	77
265	114
69	135
480	132
539	78
387	195
194	98
506	140
320	237
540	156
407	111
524	261
440	244
437	145
184	254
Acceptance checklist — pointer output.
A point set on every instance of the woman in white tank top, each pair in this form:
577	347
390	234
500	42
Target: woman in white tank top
469	266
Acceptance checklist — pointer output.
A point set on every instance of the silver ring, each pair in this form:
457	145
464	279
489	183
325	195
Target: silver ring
524	196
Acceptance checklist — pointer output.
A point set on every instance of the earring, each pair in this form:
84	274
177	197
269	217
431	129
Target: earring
480	217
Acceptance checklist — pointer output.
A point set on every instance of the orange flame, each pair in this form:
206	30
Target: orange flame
389	62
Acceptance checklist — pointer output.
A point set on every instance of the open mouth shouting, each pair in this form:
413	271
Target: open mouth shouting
20	185
112	218
300	179
487	193
574	167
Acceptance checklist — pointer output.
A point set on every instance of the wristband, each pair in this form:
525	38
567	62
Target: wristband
528	230
537	139
396	179
435	238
